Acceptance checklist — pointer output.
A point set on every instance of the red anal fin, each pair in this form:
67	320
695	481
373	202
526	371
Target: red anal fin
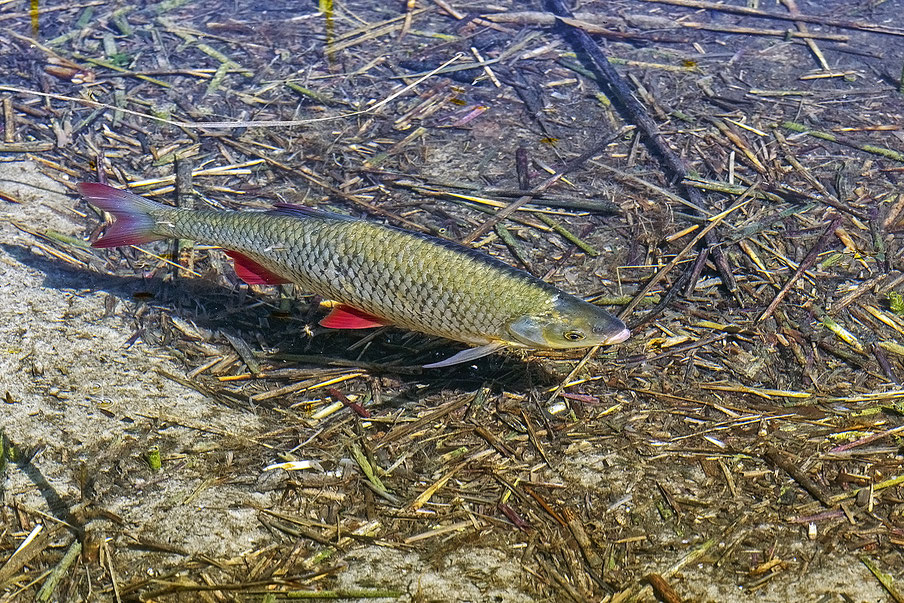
253	273
346	317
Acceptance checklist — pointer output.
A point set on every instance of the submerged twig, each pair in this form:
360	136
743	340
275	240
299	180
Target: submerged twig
805	265
756	12
639	115
780	460
518	203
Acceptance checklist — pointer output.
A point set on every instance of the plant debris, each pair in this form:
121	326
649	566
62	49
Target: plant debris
726	177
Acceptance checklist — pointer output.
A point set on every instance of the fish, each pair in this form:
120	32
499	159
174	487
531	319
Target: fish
377	274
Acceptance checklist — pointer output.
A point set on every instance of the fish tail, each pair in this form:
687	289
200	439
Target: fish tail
134	223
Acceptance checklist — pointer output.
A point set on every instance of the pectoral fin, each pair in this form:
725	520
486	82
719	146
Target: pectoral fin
467	355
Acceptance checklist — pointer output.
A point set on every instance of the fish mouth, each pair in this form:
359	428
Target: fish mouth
618	337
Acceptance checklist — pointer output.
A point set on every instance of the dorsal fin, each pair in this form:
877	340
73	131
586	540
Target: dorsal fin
303	211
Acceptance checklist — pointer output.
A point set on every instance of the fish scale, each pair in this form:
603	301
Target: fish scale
412	281
384	274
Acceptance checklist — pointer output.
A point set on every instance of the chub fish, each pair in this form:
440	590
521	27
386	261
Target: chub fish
378	274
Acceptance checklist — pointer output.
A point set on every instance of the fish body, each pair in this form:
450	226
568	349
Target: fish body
380	274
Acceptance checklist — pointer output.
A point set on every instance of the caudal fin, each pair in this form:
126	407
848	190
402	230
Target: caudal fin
134	224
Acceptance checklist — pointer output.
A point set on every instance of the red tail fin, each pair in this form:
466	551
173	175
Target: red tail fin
134	224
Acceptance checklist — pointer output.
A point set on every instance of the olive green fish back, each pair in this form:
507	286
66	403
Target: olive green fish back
419	283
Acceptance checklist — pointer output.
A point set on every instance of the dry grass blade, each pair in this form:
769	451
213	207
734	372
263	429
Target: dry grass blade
746	10
713	222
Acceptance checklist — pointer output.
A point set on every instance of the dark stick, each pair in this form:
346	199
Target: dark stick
100	167
696	271
512	207
670	294
780	460
805	265
664	591
184	186
638	114
521	165
882	359
785	16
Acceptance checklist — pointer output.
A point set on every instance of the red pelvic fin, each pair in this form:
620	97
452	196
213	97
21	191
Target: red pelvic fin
346	317
253	273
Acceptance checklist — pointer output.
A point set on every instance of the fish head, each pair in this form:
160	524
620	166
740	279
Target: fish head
569	323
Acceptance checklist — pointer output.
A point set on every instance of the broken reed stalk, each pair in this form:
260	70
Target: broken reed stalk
805	265
638	114
842	140
780	460
58	572
886	580
663	590
766	14
791	5
714	221
543	186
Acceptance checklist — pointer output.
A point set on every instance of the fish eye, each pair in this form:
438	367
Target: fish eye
573	335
